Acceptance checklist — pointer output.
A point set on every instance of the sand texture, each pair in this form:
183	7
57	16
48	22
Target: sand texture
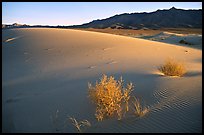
45	75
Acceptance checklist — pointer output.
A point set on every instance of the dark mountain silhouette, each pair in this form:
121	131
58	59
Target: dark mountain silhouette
172	18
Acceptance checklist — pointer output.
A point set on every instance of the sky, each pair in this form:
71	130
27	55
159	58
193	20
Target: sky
76	13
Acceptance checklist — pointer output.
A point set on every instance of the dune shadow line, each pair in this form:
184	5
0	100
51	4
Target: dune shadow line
193	73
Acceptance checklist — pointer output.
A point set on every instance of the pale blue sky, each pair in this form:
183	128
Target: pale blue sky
74	13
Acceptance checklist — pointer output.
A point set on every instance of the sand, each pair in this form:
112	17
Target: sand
46	71
193	40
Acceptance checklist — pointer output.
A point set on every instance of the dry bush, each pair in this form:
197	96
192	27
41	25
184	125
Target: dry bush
184	42
79	124
55	120
138	109
172	68
110	97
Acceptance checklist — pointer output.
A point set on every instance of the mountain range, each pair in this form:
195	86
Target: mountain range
171	18
167	18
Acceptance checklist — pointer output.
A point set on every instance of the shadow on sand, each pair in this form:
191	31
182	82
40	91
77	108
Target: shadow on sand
193	73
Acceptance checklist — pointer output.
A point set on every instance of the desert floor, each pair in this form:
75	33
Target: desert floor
45	75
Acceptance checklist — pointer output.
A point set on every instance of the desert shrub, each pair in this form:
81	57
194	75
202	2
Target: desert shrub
79	124
55	120
138	109
110	96
172	68
184	42
113	27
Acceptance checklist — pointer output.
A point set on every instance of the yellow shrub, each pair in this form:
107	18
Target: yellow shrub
172	68
110	96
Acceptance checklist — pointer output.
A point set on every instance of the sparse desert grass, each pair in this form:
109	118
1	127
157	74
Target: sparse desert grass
138	109
184	42
110	96
172	68
55	120
79	124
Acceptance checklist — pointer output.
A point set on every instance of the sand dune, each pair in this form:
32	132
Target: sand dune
49	70
195	40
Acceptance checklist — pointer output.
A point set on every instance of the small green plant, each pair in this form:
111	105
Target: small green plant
172	68
139	111
110	96
79	124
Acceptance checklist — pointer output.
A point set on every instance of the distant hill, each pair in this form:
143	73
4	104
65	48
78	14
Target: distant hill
14	25
172	18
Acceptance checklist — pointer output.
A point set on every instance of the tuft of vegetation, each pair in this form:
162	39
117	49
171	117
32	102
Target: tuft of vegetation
172	68
110	96
138	109
79	124
55	120
184	42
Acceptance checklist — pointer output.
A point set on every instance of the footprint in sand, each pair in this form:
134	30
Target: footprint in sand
25	53
186	51
27	59
12	100
105	49
91	67
112	62
49	49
